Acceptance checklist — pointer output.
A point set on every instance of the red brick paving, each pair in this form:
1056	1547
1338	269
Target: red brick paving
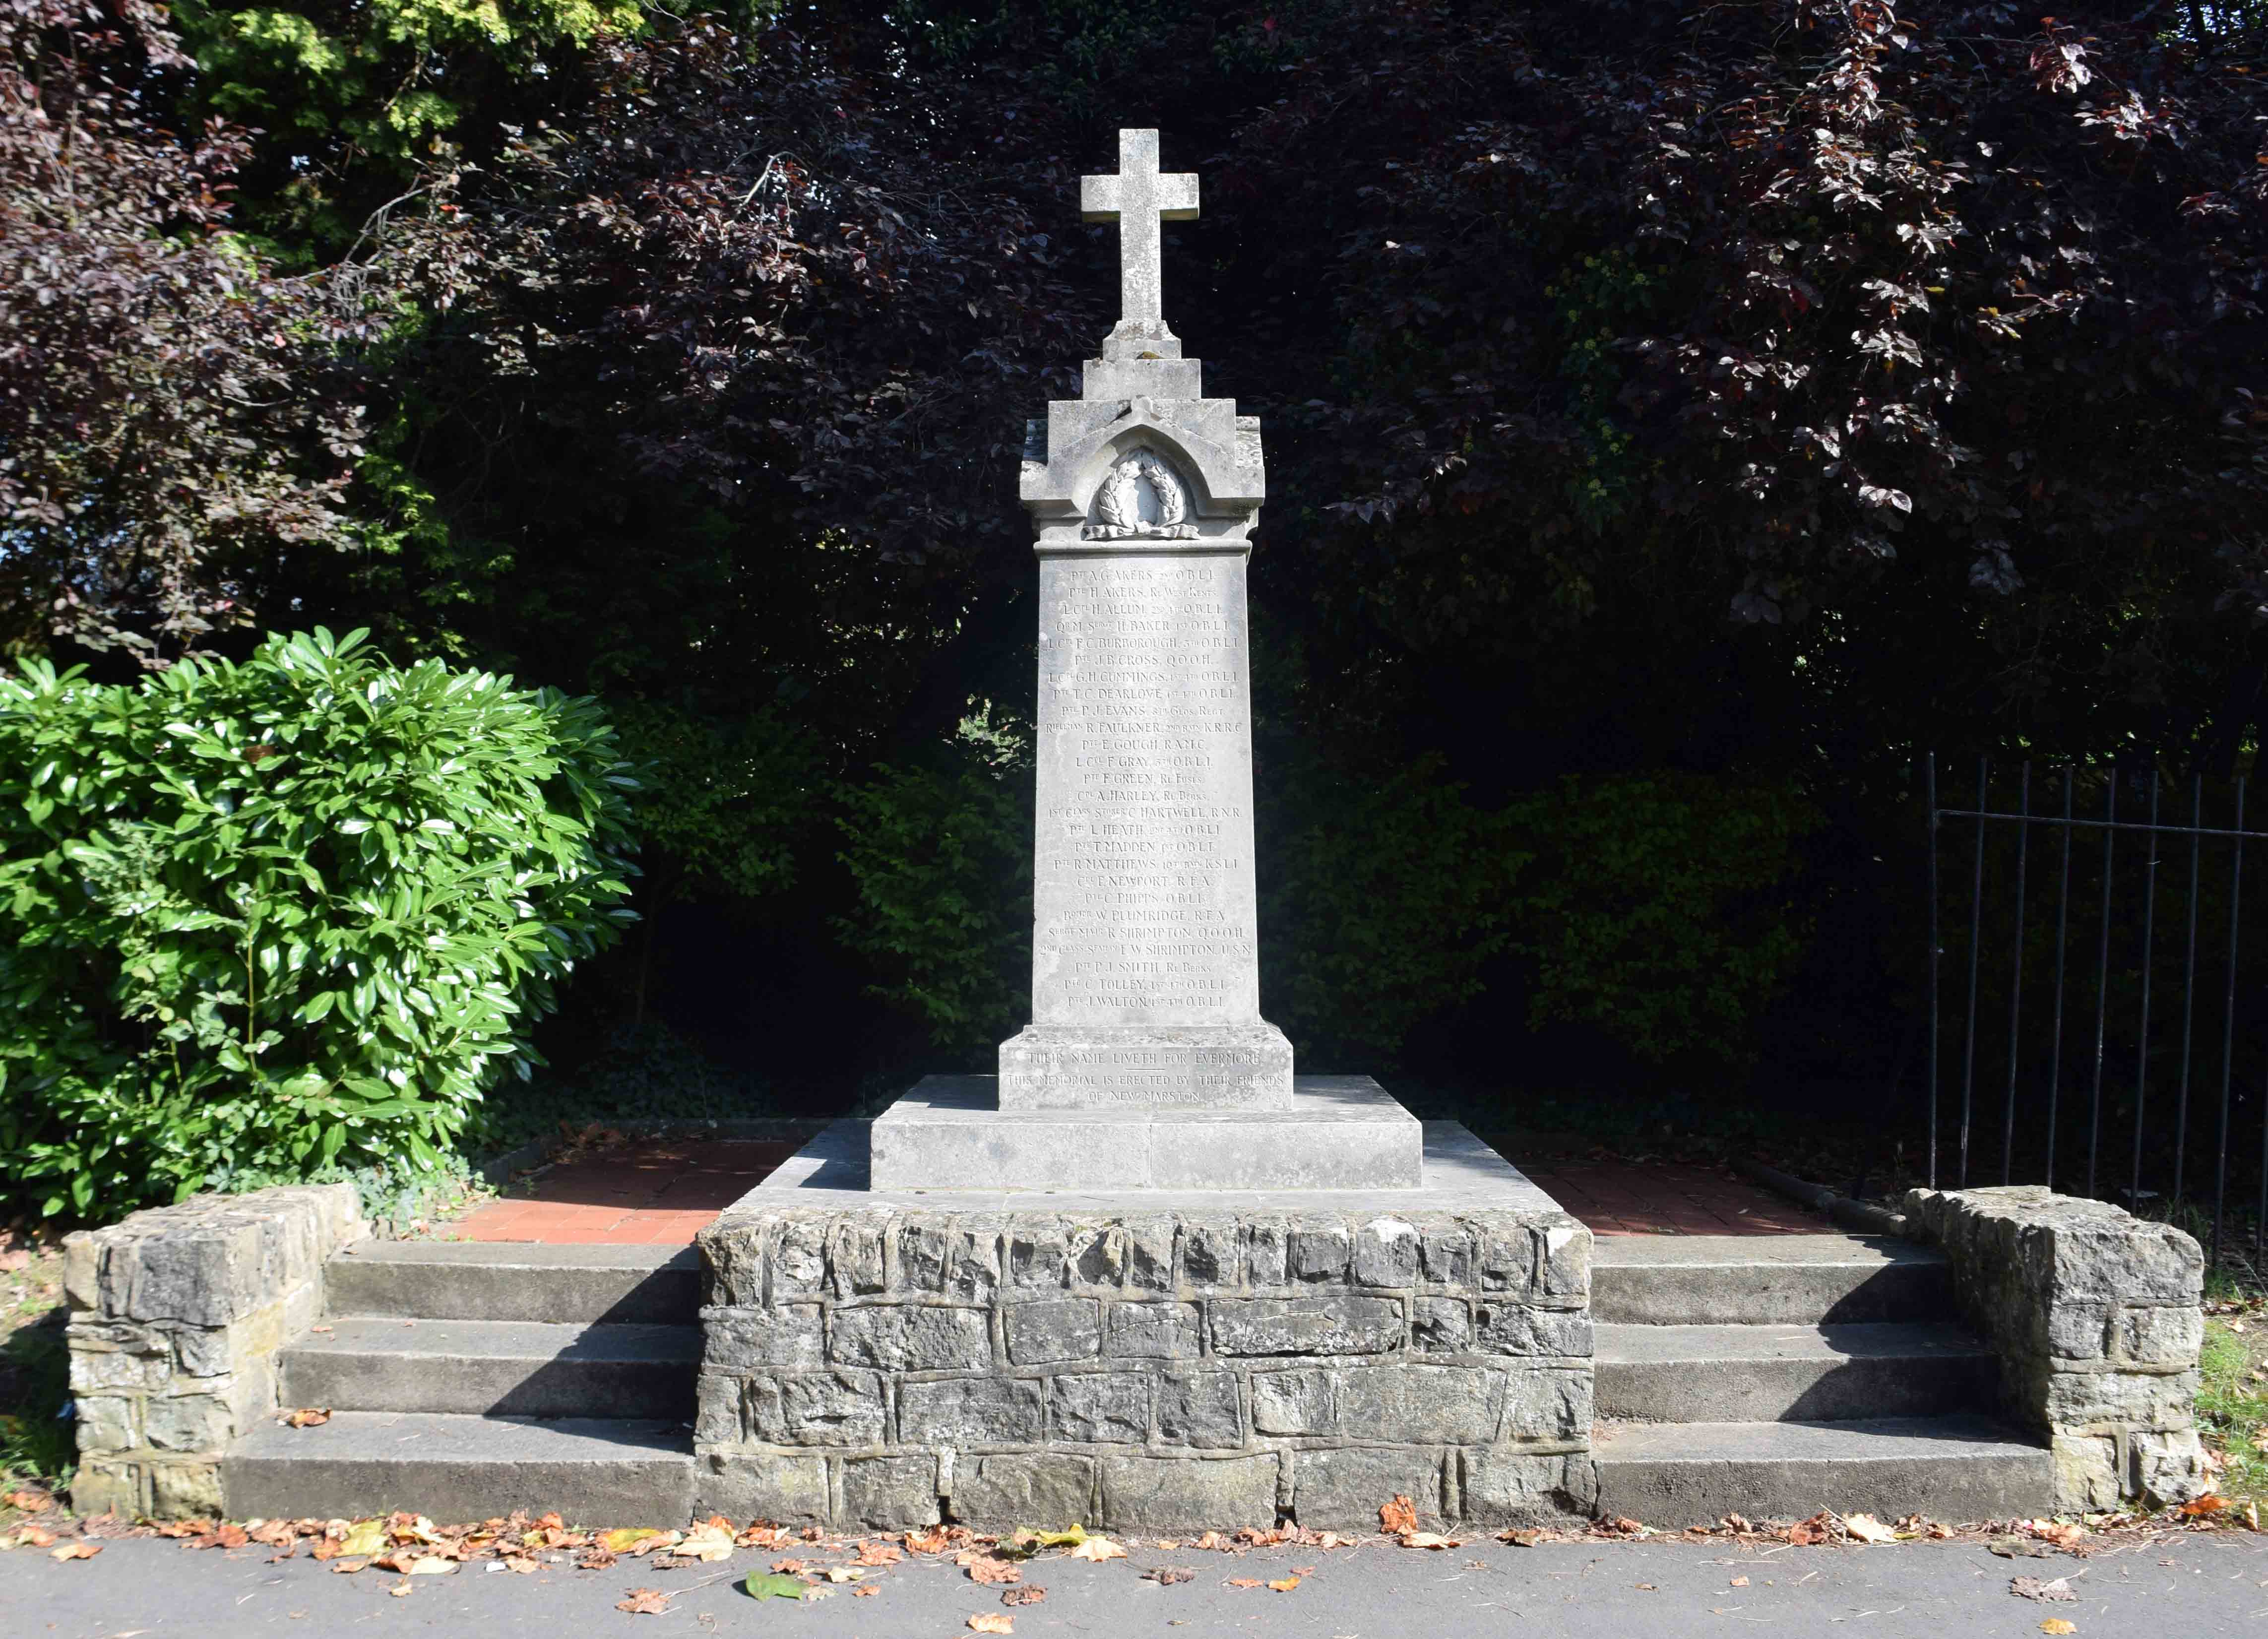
662	1192
646	1192
1669	1198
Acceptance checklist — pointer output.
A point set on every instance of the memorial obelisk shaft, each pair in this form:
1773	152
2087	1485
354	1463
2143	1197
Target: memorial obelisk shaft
1144	492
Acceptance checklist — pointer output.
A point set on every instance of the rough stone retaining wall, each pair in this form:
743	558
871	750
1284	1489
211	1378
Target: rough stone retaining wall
2097	1318
869	1368
177	1314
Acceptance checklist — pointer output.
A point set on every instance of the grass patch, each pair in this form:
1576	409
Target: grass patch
2232	1402
36	1442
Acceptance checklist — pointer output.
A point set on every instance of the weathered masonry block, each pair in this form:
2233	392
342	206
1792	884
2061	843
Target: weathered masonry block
880	1366
176	1317
2097	1317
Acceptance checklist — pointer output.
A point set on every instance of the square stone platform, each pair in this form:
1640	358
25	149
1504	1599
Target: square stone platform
1341	1132
1163	1358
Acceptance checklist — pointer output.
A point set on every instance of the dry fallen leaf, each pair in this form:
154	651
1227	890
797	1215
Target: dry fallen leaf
520	1564
992	1622
644	1602
308	1417
844	1573
1740	1582
1098	1548
2056	1625
707	1543
1244	1582
1209	1541
2212	1503
879	1554
1866	1528
76	1550
2048	1592
994	1571
1285	1584
1524	1537
432	1565
1427	1540
925	1542
1806	1533
1397	1518
400	1589
636	1539
1029	1595
864	1593
29	1502
1166	1575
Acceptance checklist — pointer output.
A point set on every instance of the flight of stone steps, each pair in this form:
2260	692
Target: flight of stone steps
1776	1374
463	1378
1770	1376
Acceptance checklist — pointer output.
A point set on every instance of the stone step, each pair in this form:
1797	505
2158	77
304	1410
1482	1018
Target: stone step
1950	1468
592	1471
1790	1373
499	1368
1765	1280
515	1281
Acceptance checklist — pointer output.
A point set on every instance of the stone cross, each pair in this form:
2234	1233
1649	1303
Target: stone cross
1137	199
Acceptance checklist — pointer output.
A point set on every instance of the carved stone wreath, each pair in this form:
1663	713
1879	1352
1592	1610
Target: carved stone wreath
1118	503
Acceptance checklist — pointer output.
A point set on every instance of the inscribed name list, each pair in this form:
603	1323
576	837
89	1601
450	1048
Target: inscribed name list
1145	912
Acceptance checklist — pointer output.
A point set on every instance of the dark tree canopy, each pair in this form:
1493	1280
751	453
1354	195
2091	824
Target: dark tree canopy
1761	391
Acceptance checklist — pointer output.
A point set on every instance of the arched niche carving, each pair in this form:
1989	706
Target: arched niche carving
1144	496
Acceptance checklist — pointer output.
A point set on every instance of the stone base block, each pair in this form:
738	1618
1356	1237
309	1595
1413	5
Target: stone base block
1145	1360
1133	1067
1340	1132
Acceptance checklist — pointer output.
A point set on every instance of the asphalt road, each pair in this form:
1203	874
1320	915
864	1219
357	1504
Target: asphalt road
2183	1588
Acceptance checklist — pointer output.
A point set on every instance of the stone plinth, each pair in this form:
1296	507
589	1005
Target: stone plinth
176	1317
2098	1321
1341	1132
1169	1361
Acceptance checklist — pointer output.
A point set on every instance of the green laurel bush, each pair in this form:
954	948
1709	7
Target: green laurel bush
282	916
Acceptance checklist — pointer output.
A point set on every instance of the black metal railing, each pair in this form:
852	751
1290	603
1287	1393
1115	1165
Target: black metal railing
2079	1063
